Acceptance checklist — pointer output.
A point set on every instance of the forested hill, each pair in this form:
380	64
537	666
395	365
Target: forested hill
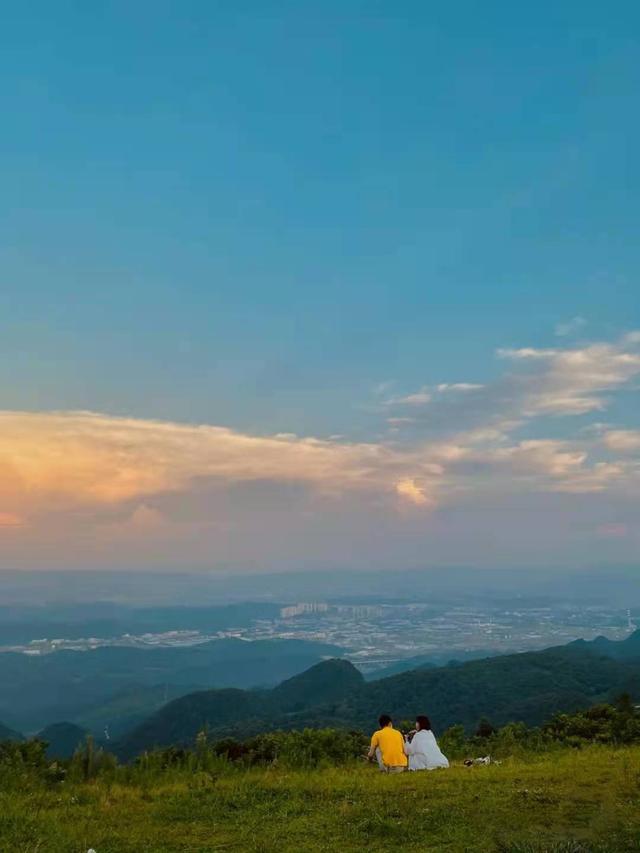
526	687
8	734
111	685
244	711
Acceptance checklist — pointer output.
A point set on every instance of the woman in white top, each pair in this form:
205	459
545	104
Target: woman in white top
423	750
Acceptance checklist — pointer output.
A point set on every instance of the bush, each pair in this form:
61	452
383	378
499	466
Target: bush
308	748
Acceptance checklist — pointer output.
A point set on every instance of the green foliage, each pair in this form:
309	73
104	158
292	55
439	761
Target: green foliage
31	754
297	791
604	724
89	762
619	724
485	729
310	748
24	764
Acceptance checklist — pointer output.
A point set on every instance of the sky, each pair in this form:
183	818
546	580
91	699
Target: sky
346	285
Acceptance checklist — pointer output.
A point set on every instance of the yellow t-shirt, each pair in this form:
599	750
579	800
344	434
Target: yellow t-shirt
391	745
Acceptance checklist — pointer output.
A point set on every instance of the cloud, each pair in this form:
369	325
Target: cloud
534	465
622	440
538	383
409	490
400	421
571	381
10	520
418	398
425	394
613	530
572	326
145	518
445	387
80	457
71	473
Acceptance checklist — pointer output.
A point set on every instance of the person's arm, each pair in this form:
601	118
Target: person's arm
374	744
408	746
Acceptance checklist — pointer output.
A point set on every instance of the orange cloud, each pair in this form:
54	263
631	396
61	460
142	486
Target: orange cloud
10	520
410	491
67	459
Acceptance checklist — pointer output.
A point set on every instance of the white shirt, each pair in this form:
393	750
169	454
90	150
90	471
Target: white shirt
424	752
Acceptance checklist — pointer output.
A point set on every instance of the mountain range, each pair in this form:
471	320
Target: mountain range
118	686
527	687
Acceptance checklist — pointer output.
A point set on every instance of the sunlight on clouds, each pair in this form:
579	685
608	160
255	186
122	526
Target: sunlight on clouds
622	440
413	493
572	382
76	471
78	457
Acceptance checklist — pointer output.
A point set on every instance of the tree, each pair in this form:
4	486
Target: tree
485	729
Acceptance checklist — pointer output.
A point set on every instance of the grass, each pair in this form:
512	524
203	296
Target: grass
582	801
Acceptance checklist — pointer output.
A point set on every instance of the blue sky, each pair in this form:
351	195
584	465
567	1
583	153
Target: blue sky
286	217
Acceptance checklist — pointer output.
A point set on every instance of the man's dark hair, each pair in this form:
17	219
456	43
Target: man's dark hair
425	723
384	720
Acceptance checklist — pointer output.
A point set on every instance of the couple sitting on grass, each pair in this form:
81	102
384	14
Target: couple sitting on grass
395	752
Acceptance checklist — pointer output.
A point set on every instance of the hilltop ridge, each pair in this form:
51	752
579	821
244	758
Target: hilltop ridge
528	687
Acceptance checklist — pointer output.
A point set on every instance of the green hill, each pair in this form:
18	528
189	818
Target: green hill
237	711
329	681
62	739
121	713
429	661
527	687
77	685
9	734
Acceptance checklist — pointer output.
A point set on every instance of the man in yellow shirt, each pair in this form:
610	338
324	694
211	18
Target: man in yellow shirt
387	745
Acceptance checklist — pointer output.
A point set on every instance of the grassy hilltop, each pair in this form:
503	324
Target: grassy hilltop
569	801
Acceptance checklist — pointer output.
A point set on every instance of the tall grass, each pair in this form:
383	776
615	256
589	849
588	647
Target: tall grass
565	801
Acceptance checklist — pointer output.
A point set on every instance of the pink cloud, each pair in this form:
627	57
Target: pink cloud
612	530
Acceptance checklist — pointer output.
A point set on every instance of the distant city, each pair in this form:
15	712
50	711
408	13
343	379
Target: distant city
377	635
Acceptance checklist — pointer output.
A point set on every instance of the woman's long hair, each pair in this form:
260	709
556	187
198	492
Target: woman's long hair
424	722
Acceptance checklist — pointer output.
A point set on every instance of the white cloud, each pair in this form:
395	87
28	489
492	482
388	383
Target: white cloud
425	394
622	440
572	381
542	382
570	327
444	387
419	398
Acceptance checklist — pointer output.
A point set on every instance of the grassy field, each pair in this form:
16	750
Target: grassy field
582	800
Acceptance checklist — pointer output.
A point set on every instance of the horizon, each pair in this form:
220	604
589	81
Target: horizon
616	588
